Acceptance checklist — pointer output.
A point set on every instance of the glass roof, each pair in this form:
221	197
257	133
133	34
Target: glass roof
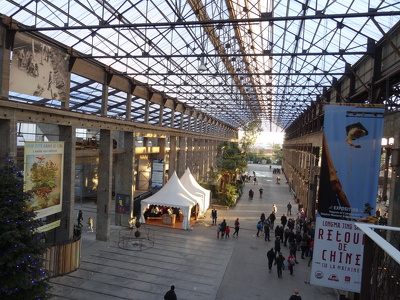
266	60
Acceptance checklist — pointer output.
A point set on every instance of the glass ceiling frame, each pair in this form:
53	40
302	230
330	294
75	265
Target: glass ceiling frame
266	60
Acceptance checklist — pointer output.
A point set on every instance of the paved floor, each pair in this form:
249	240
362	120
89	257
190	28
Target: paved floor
195	261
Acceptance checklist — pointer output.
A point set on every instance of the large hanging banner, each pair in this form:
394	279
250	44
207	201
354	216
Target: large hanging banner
43	174
38	69
348	187
338	255
350	161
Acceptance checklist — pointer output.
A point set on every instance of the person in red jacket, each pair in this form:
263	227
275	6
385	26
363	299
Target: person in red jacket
292	262
227	231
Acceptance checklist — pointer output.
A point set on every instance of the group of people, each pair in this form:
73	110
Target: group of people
297	234
251	193
80	219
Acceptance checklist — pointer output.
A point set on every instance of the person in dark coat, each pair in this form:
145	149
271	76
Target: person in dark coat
295	295
214	216
277	245
281	232
283	220
237	227
223	228
262	218
266	231
170	295
279	264
80	218
286	234
271	258
251	194
272	219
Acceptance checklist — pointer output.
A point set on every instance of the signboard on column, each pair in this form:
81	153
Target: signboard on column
347	192
337	254
157	174
43	175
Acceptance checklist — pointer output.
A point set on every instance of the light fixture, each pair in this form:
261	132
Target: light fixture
202	67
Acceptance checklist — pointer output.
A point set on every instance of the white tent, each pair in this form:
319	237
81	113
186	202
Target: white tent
173	194
193	187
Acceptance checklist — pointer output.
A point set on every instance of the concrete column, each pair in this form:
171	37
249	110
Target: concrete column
181	157
161	142
190	156
124	179
172	125
5	64
161	115
66	230
202	157
146	111
128	106
104	191
8	132
197	158
104	99
172	155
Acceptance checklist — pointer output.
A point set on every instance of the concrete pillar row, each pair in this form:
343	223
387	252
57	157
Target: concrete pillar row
8	132
124	178
201	159
172	155
181	156
66	229
104	192
190	155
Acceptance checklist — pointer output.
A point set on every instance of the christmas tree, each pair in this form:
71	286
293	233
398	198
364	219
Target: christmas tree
22	275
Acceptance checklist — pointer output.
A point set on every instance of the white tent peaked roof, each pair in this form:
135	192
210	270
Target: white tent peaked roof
174	194
190	183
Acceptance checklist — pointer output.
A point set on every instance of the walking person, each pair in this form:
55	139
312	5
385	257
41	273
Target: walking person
283	220
272	220
274	208
289	209
259	227
279	264
295	295
292	262
310	252
262	218
237	227
90	223
251	194
271	258
223	228
261	190
255	182
266	231
227	231
218	230
277	245
170	295
80	218
214	216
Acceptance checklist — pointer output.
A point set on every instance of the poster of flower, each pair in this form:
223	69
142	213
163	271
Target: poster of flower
43	176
